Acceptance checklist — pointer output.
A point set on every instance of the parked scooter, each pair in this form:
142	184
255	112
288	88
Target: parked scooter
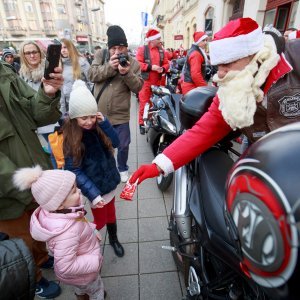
162	124
242	241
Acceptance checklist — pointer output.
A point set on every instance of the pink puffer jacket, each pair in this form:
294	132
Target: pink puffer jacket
71	239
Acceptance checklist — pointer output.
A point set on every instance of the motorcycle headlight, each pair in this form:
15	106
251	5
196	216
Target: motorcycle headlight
168	125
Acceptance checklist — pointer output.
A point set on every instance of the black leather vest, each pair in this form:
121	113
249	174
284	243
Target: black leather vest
187	67
283	99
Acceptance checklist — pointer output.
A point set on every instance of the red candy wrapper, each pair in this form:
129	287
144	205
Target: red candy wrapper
128	191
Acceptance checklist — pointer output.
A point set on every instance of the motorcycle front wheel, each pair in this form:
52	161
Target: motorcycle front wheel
163	182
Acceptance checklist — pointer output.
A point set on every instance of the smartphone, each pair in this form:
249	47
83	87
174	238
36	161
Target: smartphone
52	59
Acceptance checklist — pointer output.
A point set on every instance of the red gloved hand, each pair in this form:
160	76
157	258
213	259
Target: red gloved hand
144	172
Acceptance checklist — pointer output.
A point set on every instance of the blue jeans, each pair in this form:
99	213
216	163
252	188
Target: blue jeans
123	132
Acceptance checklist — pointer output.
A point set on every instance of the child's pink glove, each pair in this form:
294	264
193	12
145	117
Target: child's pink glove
144	172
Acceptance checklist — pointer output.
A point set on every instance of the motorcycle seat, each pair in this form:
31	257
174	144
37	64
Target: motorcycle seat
214	166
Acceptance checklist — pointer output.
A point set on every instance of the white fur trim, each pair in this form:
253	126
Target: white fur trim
231	49
153	37
96	201
164	163
292	35
25	177
201	39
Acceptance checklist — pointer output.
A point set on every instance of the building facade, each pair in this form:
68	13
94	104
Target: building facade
179	19
82	21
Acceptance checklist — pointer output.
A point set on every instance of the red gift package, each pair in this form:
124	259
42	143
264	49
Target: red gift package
128	191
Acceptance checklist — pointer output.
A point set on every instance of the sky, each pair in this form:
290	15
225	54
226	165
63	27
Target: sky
127	14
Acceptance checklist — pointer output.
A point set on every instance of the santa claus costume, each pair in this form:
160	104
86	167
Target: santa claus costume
196	61
240	99
156	57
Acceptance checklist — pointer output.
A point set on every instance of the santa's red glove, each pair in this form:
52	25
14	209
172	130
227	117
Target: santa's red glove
144	172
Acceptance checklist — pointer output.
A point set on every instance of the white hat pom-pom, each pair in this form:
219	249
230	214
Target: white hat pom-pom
25	177
78	83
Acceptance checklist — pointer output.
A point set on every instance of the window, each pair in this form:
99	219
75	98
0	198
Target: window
61	9
293	14
10	5
270	17
282	16
28	7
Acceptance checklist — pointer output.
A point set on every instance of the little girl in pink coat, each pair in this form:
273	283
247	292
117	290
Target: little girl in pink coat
60	222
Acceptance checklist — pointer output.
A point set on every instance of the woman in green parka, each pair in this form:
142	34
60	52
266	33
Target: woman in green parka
22	110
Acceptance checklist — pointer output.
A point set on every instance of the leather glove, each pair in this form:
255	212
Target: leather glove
144	172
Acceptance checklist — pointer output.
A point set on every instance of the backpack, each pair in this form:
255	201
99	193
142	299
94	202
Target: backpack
56	143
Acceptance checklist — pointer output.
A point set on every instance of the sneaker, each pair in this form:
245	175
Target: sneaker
124	176
142	129
49	263
47	289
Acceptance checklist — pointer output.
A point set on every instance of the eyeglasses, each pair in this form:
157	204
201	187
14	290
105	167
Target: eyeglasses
28	53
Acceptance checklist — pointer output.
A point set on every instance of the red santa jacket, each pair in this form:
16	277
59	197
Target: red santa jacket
208	130
154	77
193	70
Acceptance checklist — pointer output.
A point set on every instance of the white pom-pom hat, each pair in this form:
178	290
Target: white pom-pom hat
49	188
82	103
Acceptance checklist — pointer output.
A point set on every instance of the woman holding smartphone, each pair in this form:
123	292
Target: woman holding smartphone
32	71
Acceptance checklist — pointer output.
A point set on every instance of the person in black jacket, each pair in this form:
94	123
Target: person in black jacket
17	269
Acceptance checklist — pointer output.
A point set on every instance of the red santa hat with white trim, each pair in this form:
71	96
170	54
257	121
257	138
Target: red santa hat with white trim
294	35
152	35
199	36
238	39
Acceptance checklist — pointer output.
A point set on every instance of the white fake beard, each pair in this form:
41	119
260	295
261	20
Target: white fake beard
240	90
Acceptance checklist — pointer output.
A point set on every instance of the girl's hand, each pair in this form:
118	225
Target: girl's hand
100	204
100	117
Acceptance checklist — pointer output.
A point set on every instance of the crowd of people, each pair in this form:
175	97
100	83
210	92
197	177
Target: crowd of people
88	101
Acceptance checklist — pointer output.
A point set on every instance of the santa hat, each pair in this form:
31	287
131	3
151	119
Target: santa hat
294	35
152	35
49	188
238	39
82	102
199	36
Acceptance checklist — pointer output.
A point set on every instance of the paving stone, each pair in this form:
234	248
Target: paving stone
160	286
151	208
148	189
155	259
127	231
122	287
126	209
153	229
117	266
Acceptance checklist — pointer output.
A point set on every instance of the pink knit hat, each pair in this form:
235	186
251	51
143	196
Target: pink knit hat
49	188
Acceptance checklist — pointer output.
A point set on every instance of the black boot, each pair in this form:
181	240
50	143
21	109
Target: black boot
113	239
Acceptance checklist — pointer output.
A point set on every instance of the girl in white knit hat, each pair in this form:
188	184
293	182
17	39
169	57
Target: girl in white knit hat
89	142
60	221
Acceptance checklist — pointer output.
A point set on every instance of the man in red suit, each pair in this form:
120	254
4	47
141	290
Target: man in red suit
196	61
258	84
153	62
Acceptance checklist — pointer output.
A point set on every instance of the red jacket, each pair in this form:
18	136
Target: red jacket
207	131
195	60
154	77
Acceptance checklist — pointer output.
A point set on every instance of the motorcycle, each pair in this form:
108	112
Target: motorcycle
234	227
174	74
162	125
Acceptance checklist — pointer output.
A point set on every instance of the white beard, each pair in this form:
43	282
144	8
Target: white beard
240	90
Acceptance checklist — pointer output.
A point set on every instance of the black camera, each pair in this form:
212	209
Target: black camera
123	59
